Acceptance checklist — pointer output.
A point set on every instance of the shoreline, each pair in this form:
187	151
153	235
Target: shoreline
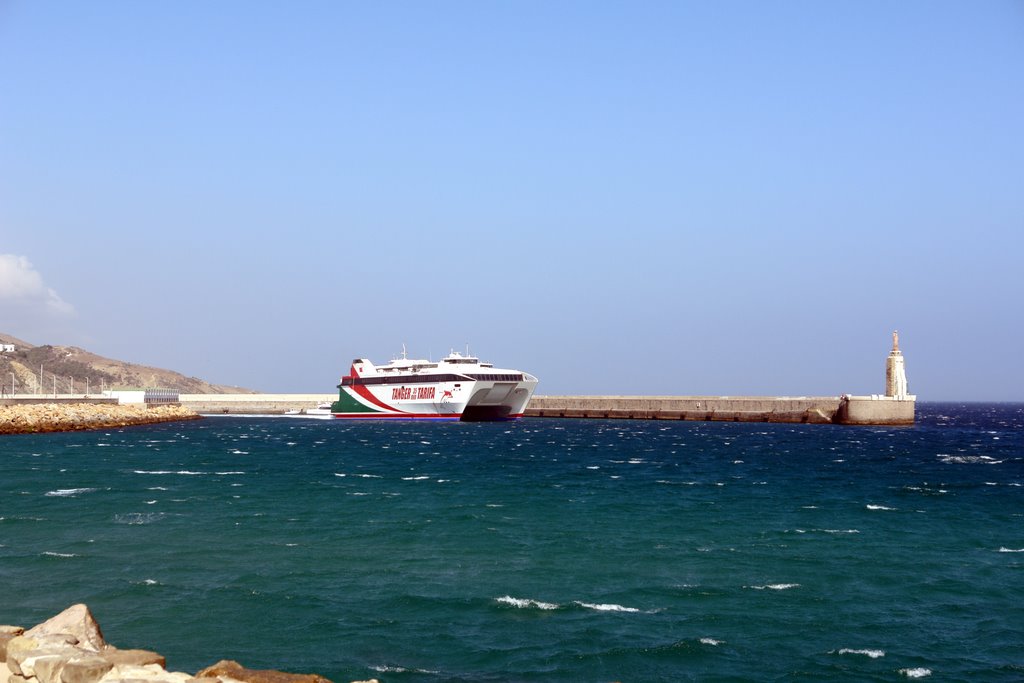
70	647
39	418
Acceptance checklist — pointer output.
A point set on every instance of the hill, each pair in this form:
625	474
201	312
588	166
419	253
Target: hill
70	364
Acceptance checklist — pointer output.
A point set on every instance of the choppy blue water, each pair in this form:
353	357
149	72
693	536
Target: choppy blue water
541	550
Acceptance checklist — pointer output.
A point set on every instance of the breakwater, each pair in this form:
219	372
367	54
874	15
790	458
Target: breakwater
847	410
28	418
865	410
70	648
252	404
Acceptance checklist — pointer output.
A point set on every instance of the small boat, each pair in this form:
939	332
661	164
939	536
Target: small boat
321	409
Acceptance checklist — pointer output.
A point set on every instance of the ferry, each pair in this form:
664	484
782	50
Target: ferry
456	387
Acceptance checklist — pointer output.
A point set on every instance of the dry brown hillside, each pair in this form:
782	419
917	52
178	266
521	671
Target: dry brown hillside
71	364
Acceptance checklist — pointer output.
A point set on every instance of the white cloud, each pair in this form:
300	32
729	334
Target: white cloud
21	286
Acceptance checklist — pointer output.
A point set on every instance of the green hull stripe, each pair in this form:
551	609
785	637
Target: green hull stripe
348	404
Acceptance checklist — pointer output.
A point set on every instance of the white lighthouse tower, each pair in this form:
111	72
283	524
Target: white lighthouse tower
895	407
895	372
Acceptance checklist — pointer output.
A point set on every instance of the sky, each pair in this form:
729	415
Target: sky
710	198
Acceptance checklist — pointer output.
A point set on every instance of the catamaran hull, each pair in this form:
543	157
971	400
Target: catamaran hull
469	401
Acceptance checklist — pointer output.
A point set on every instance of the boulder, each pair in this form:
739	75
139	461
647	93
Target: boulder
76	620
150	673
8	633
226	669
85	669
24	651
47	666
132	657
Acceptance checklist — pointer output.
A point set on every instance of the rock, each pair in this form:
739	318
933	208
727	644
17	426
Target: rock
76	620
56	417
132	657
46	667
8	633
150	673
23	651
85	669
233	670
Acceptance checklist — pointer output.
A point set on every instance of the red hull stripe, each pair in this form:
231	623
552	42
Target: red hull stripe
365	393
394	416
404	416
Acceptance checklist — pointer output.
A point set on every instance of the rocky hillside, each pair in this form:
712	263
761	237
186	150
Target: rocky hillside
71	364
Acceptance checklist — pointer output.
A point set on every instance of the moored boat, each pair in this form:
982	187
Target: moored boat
456	387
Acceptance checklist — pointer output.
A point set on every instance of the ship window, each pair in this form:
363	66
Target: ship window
408	379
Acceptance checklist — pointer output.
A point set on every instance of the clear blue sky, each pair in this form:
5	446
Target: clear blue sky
654	197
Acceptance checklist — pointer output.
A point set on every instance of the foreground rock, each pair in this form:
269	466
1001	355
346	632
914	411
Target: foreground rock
66	417
70	648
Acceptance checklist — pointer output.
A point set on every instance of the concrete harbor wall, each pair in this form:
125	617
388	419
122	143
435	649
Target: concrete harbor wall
852	410
876	410
251	404
866	410
813	409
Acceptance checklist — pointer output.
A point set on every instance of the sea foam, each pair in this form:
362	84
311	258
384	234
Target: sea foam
526	602
916	672
62	493
606	607
874	654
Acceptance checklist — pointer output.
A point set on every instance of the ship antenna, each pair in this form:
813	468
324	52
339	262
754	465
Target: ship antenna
404	356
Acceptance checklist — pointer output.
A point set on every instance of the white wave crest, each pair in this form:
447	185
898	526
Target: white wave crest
136	518
419	478
606	607
710	641
63	493
526	602
775	586
384	669
188	472
968	459
1004	549
878	507
874	654
916	672
50	554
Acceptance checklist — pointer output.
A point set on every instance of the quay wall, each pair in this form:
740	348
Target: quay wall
876	410
809	409
854	410
61	399
251	404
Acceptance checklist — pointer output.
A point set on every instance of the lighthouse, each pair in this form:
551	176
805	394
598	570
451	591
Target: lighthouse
895	407
895	372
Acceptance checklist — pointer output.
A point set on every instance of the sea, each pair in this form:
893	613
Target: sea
541	550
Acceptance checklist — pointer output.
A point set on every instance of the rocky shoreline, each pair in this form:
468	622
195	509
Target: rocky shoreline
70	648
67	417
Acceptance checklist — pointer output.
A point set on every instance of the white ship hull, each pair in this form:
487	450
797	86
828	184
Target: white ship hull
448	390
